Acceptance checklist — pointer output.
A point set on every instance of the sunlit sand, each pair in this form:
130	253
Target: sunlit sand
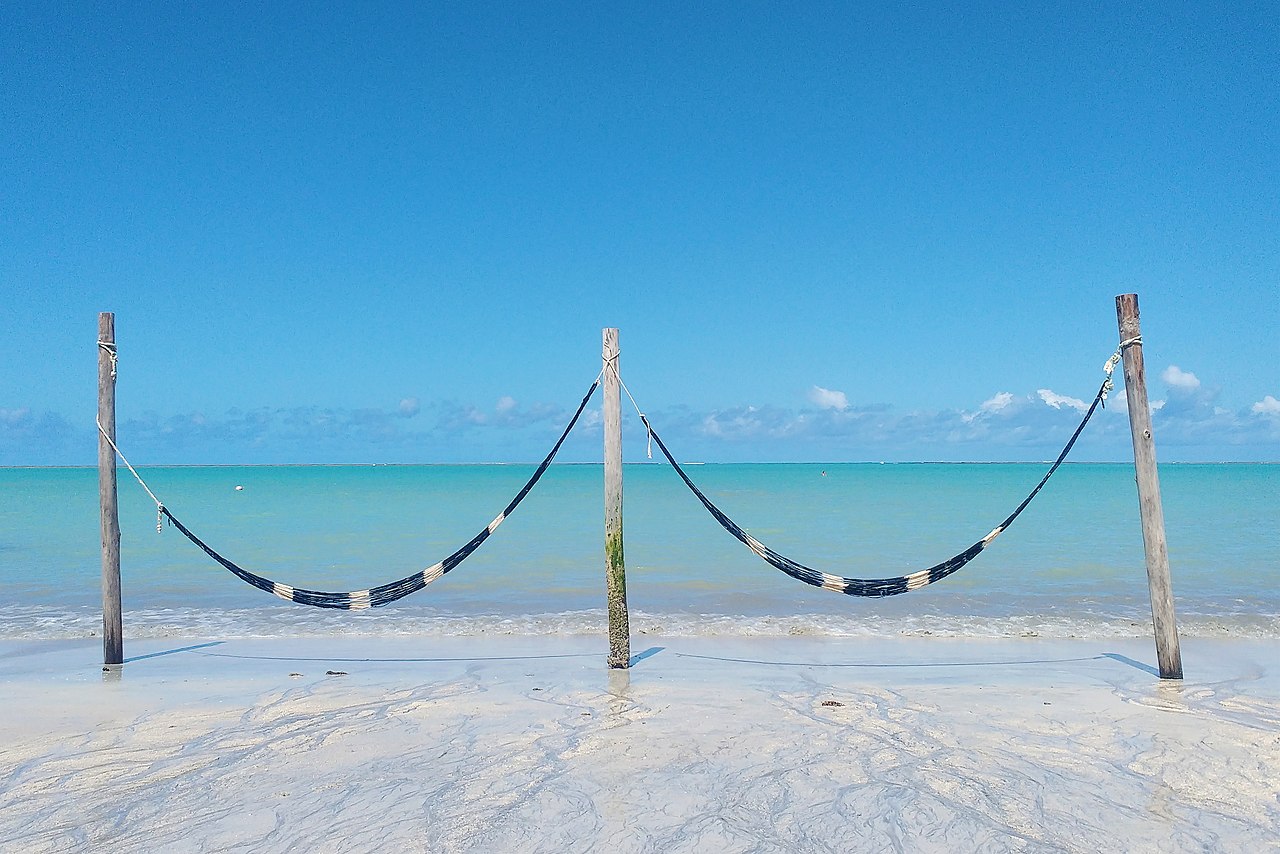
706	744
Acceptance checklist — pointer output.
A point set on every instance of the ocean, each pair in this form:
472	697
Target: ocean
1071	566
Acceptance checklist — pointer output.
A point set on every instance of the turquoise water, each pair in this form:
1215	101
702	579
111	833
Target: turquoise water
1072	565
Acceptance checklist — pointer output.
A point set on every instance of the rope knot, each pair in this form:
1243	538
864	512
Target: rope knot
110	349
1109	385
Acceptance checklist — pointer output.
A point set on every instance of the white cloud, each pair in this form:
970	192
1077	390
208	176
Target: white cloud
1001	402
747	422
1267	406
1175	377
14	417
1057	401
997	403
828	399
1005	426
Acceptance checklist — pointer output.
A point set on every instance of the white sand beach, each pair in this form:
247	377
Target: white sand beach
531	744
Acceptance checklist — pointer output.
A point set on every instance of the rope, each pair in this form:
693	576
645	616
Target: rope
873	586
1110	366
134	472
110	349
649	447
375	597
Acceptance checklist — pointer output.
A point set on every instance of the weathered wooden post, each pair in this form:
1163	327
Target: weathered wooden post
1168	654
112	624
615	567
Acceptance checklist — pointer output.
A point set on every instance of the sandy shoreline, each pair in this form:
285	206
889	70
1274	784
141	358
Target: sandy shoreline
530	744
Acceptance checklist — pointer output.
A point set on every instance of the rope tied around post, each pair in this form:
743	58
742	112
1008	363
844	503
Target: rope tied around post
1109	368
109	348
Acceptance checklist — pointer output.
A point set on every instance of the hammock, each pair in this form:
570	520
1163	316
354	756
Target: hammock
876	586
375	597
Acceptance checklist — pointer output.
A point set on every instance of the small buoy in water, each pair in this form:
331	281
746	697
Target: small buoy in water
239	488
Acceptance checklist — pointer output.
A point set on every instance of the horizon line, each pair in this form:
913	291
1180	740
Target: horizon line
661	463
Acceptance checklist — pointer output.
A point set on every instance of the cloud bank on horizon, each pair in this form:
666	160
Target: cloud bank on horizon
1190	426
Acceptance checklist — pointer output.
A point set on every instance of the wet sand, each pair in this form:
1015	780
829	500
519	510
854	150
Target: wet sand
706	744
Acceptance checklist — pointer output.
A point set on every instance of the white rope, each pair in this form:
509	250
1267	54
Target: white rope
613	363
138	477
1110	366
110	349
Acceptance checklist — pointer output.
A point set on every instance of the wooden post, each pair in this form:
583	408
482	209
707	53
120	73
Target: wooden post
112	624
1168	654
615	568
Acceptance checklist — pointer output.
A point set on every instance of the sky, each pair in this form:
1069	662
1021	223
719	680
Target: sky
393	232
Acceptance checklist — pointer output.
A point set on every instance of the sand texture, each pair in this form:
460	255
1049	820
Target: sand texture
531	744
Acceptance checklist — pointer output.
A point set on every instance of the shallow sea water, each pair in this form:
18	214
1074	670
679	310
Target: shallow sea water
1071	566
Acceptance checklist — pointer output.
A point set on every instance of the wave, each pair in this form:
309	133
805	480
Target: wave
34	622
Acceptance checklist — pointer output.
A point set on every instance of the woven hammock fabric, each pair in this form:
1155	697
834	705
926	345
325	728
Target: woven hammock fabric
872	586
374	597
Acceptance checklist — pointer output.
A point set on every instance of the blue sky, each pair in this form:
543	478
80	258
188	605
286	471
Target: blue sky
392	232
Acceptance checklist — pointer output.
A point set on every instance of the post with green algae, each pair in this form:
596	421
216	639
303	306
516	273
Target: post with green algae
1168	652
615	567
112	623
